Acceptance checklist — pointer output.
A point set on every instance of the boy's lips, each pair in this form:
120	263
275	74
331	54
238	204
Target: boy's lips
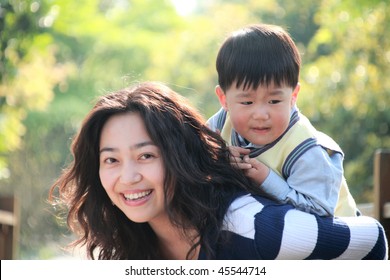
260	129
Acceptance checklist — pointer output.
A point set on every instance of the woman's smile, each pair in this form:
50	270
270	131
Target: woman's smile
137	195
137	198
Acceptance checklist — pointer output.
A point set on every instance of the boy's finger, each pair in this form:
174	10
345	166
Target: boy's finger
243	151
238	151
239	163
253	162
244	165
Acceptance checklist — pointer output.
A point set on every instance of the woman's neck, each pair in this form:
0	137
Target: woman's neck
173	244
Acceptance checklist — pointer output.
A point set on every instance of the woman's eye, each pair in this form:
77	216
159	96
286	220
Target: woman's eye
109	160
146	156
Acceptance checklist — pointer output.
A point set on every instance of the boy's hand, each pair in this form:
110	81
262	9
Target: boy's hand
252	168
258	171
237	157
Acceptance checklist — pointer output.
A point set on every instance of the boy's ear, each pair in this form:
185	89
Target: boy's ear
294	95
221	97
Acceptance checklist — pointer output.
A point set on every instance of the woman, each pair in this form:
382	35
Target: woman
149	180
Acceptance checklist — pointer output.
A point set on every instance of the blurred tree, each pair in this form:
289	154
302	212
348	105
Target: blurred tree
28	70
29	73
102	45
346	91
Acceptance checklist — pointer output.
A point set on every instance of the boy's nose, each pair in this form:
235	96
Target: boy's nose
260	112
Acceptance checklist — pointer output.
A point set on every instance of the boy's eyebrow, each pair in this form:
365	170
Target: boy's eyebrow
277	92
243	94
133	147
248	93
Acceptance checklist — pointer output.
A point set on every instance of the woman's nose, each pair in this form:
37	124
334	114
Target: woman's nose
130	173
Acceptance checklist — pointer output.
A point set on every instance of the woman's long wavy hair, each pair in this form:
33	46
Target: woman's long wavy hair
199	179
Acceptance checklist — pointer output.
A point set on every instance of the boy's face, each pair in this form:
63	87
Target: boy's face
261	115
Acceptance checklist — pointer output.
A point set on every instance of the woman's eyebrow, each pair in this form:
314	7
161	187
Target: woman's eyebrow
133	147
107	149
142	144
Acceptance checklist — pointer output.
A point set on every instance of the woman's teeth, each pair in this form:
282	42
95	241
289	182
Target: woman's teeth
135	196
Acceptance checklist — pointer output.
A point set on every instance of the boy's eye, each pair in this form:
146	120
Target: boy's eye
274	101
247	103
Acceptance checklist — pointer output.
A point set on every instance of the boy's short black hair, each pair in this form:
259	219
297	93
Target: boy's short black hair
258	55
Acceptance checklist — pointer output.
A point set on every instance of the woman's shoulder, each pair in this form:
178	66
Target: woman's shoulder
279	231
240	215
252	204
245	209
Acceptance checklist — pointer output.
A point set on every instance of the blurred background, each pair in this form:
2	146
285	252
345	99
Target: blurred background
57	56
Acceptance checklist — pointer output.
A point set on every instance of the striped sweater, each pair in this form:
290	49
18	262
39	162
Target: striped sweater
259	228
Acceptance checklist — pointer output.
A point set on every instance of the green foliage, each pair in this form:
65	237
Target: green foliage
28	71
347	85
65	53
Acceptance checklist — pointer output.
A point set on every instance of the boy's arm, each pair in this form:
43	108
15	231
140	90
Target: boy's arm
313	185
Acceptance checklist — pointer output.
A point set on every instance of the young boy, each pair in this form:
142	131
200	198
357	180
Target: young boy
276	146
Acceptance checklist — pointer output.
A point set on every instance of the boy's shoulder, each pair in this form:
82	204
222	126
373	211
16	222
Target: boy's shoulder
322	139
216	121
328	143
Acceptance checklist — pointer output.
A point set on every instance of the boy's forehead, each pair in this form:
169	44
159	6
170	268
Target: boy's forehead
261	84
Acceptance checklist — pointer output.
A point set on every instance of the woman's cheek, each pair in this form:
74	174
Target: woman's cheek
105	179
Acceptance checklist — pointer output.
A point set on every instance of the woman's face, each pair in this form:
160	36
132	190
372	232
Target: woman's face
131	168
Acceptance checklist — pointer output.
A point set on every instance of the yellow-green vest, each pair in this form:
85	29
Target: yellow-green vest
297	140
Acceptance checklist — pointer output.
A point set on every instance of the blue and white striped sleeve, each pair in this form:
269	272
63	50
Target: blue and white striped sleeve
279	231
